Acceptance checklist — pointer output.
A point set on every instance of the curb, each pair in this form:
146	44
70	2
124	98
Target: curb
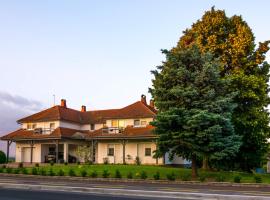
224	184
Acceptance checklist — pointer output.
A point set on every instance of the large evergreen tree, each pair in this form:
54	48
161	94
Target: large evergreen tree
195	106
232	40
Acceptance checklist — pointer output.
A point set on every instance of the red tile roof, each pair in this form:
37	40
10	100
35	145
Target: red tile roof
135	110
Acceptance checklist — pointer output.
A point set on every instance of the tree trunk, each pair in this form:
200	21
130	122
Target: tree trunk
194	167
205	163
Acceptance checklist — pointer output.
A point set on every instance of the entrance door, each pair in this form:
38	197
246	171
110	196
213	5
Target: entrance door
26	157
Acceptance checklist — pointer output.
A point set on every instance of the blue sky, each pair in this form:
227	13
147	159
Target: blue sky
96	53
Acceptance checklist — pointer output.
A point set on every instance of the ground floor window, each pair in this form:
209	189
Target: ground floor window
147	151
110	150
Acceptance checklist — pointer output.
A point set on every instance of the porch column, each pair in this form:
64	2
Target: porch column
92	151
31	151
56	151
66	152
156	156
124	151
8	145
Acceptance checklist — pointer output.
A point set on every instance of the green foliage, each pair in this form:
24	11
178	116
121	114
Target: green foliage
171	176
237	179
220	178
24	171
66	163
105	173
34	171
20	165
83	173
42	172
61	172
94	174
117	174
231	40
195	107
51	162
37	165
143	175
130	175
51	172
202	177
3	158
9	170
16	171
258	179
156	176
1	170
185	177
71	172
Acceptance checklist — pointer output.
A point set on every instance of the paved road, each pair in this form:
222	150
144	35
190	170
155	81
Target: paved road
143	186
9	194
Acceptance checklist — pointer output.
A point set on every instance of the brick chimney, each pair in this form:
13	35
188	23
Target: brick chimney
63	103
83	109
152	103
143	99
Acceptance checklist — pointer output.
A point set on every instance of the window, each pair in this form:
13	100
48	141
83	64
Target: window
136	122
92	127
110	150
34	126
114	123
52	126
147	151
121	123
143	123
28	126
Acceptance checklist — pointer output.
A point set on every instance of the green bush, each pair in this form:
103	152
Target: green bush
258	179
16	171
78	162
24	171
34	171
93	174
9	170
171	176
51	162
130	175
60	173
66	163
1	170
4	166
220	178
202	177
3	157
37	165
237	179
71	172
105	173
156	176
117	174
42	172
83	173
51	172
185	177
143	175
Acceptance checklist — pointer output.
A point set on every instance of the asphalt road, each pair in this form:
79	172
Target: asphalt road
10	194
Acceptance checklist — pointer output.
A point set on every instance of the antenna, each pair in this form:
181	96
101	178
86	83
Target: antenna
53	99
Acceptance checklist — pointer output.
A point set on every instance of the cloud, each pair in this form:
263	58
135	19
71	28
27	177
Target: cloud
12	108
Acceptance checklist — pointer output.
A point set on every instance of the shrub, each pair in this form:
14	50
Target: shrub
20	165
237	179
186	177
94	174
117	174
34	171
60	173
130	175
83	173
36	165
9	170
106	161
24	171
16	171
51	172
156	176
4	166
202	177
220	178
66	163
258	179
137	160
71	172
42	172
143	175
51	162
105	173
78	162
1	170
171	176
3	158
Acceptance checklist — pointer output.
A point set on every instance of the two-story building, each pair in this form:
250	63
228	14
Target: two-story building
114	135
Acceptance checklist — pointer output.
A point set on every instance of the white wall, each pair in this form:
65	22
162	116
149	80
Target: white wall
23	152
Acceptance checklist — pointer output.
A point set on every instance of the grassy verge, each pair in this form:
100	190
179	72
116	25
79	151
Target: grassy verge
139	172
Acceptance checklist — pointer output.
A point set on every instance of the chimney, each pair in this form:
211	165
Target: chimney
143	99
63	103
152	103
83	109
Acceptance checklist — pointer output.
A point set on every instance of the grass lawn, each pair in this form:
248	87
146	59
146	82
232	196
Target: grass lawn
136	171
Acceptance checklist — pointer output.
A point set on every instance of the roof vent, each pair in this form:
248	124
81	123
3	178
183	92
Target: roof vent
143	99
63	103
83	109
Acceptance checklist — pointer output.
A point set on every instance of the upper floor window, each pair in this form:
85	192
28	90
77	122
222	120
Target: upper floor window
52	126
114	123
92	127
136	122
28	126
34	126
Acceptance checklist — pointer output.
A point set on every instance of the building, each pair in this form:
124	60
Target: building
114	135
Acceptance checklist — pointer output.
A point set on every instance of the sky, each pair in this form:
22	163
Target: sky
94	53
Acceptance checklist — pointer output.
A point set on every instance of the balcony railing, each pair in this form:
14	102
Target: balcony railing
43	130
112	130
